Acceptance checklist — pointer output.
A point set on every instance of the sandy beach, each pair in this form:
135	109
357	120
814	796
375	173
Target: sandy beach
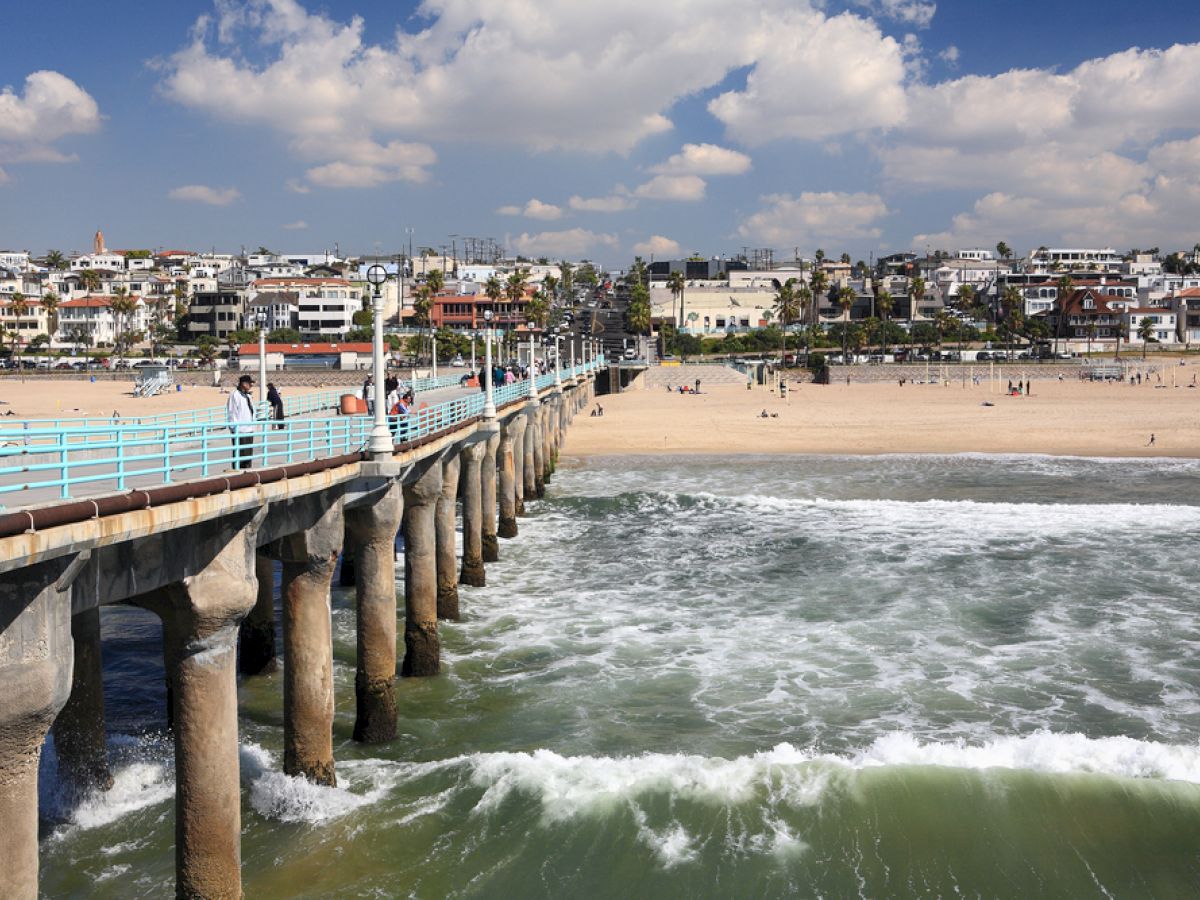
78	398
1069	418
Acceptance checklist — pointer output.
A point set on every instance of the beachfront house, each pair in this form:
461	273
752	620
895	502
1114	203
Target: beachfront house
1162	320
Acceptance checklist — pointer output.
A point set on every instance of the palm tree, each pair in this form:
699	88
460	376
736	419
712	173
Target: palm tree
1065	288
90	279
637	315
537	311
787	307
122	306
1090	329
55	260
422	304
1146	333
493	291
819	282
1120	334
804	299
1003	250
676	284
884	304
18	308
845	298
50	303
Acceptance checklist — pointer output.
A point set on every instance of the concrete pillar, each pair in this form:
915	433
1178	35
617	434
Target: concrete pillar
507	451
200	618
79	728
256	637
487	500
371	531
472	527
35	668
444	530
538	460
530	465
309	558
549	429
422	652
519	428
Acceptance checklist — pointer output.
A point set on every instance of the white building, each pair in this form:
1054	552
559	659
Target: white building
1076	258
17	260
326	305
94	316
1164	322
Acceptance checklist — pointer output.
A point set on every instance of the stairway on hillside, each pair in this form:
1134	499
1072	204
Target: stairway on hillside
660	376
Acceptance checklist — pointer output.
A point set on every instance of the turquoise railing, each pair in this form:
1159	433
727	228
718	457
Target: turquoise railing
57	462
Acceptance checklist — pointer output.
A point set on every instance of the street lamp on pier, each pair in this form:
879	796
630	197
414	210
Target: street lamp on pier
489	402
381	437
261	318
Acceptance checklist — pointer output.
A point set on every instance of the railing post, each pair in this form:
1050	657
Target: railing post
166	456
120	459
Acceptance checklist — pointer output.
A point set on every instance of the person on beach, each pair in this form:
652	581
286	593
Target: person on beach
1151	444
240	412
276	402
697	385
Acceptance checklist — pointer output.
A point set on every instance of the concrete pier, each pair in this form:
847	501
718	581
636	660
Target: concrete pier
422	651
506	463
79	729
371	531
309	560
472	526
519	426
444	527
256	637
533	445
488	477
35	668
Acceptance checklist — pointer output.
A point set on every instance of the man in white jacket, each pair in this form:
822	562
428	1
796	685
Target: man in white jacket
240	410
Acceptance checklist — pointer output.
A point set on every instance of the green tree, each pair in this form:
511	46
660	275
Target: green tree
55	260
637	315
884	303
51	302
283	336
537	311
90	279
122	306
18	308
845	299
1003	250
819	284
675	284
1146	332
787	308
1065	288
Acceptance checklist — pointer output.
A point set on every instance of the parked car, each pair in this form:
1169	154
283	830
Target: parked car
64	365
457	362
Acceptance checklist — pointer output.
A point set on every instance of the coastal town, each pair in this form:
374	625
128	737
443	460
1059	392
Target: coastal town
189	308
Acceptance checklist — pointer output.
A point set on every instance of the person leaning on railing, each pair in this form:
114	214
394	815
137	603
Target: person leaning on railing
240	412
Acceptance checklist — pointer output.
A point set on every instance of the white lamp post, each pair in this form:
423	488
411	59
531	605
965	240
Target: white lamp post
381	437
433	343
261	317
489	403
557	363
532	368
571	336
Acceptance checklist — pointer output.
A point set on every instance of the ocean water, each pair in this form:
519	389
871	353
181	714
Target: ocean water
741	677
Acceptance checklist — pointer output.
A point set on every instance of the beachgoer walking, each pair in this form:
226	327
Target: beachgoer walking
368	394
276	402
240	412
1151	444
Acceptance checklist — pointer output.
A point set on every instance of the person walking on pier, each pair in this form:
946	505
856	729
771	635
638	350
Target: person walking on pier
276	402
240	409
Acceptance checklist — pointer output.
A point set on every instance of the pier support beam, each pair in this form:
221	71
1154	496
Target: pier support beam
371	531
487	500
472	527
256	637
447	558
519	427
79	728
422	651
506	463
35	668
309	558
530	465
537	421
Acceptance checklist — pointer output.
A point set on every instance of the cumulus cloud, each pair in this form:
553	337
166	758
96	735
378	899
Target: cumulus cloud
575	242
656	245
918	13
813	217
613	203
298	225
3	177
51	107
704	159
815	77
686	188
949	56
534	209
201	193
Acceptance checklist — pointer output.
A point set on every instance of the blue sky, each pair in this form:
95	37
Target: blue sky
602	129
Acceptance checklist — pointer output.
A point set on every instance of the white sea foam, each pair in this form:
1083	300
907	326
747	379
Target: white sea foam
286	798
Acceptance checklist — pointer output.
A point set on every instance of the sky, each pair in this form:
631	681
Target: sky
602	129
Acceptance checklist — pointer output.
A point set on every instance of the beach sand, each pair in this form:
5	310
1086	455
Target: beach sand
1069	418
37	398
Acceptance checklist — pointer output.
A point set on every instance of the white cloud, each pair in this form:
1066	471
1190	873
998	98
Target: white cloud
705	159
574	243
296	186
656	245
4	179
52	106
611	204
200	193
949	56
814	77
687	188
363	162
918	13
534	209
509	211
815	217
298	225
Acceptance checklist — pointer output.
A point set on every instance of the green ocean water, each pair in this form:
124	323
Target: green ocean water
741	677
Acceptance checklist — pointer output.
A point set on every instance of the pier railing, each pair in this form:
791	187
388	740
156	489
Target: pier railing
62	459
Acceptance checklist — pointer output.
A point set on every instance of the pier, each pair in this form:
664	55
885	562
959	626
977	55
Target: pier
158	514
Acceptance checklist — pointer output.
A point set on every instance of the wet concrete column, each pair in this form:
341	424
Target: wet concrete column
537	421
520	426
200	617
309	559
472	528
422	651
35	668
487	500
79	728
508	479
549	429
256	637
445	531
532	465
371	531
